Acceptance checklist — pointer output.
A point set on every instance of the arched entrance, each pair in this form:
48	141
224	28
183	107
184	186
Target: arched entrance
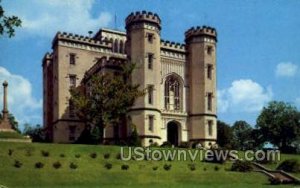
173	133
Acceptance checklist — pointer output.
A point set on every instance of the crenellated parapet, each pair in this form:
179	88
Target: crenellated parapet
80	39
201	31
144	16
173	46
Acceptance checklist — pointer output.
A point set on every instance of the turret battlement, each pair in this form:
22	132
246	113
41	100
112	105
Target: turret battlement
172	45
80	39
201	31
143	16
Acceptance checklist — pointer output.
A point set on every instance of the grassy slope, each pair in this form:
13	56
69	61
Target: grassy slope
91	173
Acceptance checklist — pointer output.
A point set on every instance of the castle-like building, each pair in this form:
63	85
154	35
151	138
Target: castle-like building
180	103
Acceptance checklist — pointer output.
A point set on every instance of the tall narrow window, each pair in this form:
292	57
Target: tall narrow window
209	101
209	50
210	127
72	131
151	122
150	94
71	109
150	37
209	71
72	59
172	93
150	61
72	80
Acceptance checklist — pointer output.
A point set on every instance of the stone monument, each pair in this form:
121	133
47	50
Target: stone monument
5	125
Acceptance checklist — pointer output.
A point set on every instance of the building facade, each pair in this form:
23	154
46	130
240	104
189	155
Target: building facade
180	103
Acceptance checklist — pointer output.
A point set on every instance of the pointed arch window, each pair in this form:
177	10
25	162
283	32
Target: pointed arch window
172	93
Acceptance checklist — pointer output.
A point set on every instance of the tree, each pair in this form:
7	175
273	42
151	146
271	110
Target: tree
224	135
242	138
8	23
37	133
279	123
110	97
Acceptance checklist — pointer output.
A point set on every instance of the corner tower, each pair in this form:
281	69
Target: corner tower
143	48
201	68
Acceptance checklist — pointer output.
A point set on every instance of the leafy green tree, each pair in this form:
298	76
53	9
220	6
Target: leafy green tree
8	23
36	133
224	135
242	138
110	97
279	123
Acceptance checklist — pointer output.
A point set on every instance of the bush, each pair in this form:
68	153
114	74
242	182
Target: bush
57	165
155	168
192	167
39	165
167	167
106	156
62	155
17	164
108	166
184	145
45	153
290	165
204	169
154	144
73	165
134	139
241	166
166	144
118	156
217	168
93	155
77	155
10	152
125	167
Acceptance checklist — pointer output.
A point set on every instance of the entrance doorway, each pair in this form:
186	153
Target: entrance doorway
173	133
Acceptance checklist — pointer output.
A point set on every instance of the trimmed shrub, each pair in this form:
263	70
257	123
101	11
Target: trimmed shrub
93	155
106	156
45	153
77	156
241	166
10	152
108	166
118	156
17	164
217	168
290	165
192	167
155	168
73	165
204	169
154	144
39	165
167	167
125	167
62	155
57	165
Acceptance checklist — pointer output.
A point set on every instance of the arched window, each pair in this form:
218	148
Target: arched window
172	93
116	46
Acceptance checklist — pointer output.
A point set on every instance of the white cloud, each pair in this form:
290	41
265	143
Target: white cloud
21	103
286	69
243	96
45	18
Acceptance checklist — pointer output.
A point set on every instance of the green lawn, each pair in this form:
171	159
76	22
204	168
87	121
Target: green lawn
91	172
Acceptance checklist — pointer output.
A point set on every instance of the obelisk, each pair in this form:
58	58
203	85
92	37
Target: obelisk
5	124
